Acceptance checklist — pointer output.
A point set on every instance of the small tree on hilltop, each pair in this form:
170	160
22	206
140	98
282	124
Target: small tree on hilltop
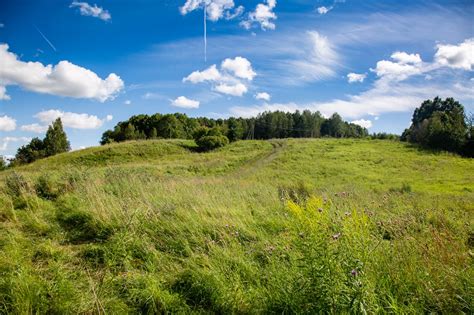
56	139
439	124
209	139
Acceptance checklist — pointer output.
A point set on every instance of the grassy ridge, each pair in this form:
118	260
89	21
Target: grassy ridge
295	226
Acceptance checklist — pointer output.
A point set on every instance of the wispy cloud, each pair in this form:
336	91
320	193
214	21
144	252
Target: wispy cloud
87	10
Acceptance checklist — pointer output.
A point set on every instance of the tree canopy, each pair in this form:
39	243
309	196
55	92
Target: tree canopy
441	124
54	142
267	125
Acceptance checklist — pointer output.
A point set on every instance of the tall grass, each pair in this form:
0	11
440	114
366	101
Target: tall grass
313	226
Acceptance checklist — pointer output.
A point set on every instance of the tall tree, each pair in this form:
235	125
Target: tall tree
56	139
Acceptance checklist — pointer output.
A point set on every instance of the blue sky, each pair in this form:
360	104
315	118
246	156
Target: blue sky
97	63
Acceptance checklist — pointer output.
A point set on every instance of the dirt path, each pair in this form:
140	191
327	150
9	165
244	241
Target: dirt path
256	164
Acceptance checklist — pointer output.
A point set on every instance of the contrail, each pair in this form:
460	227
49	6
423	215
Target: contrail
205	32
47	40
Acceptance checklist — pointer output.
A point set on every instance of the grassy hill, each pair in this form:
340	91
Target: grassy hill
281	226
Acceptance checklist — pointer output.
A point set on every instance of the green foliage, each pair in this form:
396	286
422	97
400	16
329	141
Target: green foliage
55	141
209	139
267	125
439	124
3	163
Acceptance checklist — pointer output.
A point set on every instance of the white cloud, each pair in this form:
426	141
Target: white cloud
404	58
227	79
363	123
236	13
262	15
72	120
37	128
323	10
383	97
185	102
210	74
3	93
87	10
318	60
456	56
128	102
6	140
396	71
7	123
240	67
215	9
63	79
253	111
356	77
109	118
263	96
235	90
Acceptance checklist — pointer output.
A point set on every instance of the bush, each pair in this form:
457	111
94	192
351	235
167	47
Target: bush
209	143
209	139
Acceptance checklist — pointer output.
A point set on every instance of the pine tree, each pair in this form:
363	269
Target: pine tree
56	139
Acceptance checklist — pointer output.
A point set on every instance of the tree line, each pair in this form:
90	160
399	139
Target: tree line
436	124
267	125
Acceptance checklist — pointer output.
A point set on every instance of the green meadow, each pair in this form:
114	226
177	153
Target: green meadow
296	226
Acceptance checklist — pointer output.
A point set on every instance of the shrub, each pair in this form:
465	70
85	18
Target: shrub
209	139
212	142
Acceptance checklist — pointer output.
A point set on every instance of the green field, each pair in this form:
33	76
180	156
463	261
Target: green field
281	226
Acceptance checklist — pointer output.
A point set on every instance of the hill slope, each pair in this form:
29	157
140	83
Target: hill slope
304	226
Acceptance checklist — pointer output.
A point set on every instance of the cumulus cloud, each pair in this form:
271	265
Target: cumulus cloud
323	10
231	89
405	58
127	102
240	67
63	79
405	65
356	77
363	123
210	74
72	120
456	56
185	102
6	140
227	79
263	96
87	10
7	123
215	9
262	15
36	128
